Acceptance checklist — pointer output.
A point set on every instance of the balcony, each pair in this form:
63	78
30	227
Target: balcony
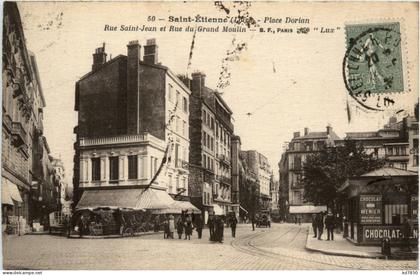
225	180
183	166
19	134
208	176
7	122
122	139
224	159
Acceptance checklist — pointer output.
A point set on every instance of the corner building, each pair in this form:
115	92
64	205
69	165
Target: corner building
132	112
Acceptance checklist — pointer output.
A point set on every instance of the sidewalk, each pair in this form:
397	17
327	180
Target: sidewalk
340	247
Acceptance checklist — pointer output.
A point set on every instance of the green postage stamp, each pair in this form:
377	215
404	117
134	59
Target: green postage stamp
374	61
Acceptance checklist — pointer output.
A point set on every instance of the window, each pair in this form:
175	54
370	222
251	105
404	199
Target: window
151	167
177	164
184	128
170	183
96	169
132	167
185	104
204	161
394	213
212	124
204	116
177	98
170	93
113	169
211	144
177	124
155	166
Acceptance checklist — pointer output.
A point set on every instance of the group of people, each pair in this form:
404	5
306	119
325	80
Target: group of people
321	220
183	225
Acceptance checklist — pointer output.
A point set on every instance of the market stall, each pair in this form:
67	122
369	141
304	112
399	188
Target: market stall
381	204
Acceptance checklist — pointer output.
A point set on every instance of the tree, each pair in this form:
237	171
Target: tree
325	171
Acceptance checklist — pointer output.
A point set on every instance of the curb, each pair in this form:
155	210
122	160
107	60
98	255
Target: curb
341	253
112	236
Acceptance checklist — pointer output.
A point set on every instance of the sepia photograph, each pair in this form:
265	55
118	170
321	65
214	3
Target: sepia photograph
210	135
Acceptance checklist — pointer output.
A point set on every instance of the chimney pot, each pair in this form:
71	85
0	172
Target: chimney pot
99	58
329	130
306	131
151	52
296	134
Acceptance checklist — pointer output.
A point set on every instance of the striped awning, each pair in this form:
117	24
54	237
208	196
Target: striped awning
9	192
132	198
177	207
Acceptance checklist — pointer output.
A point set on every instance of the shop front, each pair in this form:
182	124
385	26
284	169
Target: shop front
124	210
14	205
381	204
304	212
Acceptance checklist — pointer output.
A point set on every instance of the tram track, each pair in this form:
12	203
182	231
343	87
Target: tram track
245	245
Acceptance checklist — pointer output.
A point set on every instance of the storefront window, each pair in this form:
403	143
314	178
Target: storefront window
394	213
113	168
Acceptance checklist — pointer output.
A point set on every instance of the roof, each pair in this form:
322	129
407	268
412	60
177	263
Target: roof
306	209
318	135
389	172
138	198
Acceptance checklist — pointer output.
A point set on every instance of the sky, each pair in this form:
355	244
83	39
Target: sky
279	84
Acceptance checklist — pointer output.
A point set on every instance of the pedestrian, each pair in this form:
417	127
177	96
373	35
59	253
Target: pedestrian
165	228
211	224
253	222
320	225
156	224
81	225
219	230
179	227
188	229
295	219
233	222
314	225
171	226
199	225
329	225
407	228
299	217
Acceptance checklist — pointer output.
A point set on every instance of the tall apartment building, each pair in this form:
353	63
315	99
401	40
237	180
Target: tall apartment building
133	112
291	169
211	134
258	164
27	180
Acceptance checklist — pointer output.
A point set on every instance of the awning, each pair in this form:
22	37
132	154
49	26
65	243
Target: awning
125	198
177	207
154	199
9	192
218	210
112	198
306	209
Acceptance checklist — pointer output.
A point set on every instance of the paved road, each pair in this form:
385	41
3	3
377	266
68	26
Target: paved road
279	247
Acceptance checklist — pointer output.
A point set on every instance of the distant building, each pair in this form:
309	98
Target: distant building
291	170
275	195
257	164
133	116
396	142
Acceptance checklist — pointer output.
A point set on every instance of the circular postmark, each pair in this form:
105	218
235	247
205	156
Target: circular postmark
372	65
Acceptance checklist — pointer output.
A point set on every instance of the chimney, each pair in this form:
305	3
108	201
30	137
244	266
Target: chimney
151	52
198	83
296	134
99	58
306	130
329	130
133	89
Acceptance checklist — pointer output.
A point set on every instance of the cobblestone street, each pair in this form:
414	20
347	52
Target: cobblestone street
279	247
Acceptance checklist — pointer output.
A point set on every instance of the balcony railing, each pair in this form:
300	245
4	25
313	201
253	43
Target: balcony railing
225	180
120	140
7	122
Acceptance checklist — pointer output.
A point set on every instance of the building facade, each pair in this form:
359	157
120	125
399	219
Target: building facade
211	134
257	164
291	170
133	121
396	143
27	181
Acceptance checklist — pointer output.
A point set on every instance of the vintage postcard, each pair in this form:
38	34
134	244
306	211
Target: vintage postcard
210	135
